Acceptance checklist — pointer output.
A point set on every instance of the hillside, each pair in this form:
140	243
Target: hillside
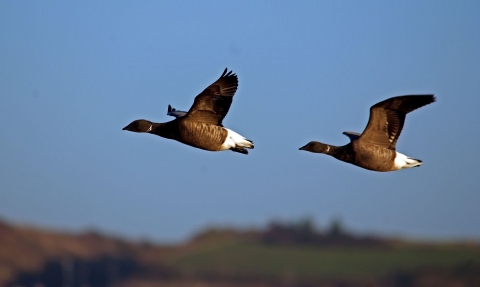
280	255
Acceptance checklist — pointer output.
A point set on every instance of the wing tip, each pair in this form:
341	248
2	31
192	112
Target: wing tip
227	74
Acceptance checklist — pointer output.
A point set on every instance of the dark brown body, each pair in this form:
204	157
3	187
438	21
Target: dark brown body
199	135
371	157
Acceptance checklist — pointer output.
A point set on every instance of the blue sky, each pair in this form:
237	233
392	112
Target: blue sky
74	73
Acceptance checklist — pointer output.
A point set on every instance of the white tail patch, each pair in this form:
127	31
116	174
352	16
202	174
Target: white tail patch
234	140
403	161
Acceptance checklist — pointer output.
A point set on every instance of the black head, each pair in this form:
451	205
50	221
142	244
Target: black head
317	147
139	126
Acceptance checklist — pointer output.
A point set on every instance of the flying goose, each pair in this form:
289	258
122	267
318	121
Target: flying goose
374	149
201	126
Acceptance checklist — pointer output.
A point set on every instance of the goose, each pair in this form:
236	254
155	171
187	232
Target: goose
201	126
374	149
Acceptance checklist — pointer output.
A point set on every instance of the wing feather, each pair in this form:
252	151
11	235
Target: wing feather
212	105
387	118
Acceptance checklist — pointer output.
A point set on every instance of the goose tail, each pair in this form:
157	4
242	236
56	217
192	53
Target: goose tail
403	161
237	143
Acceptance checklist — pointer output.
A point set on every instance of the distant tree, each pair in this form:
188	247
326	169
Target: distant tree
336	228
304	231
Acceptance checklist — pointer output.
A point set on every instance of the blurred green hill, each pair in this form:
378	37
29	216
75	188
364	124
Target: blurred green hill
281	254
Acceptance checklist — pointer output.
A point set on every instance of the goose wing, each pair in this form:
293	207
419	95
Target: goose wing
212	105
387	119
174	112
352	135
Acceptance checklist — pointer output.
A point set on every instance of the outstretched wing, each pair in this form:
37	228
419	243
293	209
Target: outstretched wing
212	105
387	119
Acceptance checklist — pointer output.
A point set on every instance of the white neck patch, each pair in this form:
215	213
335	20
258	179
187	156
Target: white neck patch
149	129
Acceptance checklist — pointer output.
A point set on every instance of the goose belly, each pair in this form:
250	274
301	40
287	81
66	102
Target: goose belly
203	136
375	158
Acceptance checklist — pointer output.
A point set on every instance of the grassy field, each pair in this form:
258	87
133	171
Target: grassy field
244	259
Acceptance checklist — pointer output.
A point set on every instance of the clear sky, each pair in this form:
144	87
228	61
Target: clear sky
74	73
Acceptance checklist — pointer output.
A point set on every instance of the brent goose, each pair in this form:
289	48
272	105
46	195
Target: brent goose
201	126
374	149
